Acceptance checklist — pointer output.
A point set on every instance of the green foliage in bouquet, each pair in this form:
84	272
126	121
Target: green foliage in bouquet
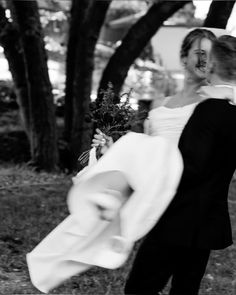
112	118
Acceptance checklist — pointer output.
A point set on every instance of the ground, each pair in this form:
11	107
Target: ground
32	204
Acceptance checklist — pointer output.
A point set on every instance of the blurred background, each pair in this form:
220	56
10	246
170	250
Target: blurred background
57	56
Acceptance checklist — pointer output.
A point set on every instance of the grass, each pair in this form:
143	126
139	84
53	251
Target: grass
32	204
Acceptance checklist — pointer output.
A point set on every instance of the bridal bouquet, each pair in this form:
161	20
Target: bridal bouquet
112	116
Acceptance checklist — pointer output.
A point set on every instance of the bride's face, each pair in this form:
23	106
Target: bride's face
196	62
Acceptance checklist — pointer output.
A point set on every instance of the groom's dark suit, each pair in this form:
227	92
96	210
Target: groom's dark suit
197	220
199	216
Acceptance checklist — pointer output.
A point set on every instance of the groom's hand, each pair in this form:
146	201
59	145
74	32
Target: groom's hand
108	202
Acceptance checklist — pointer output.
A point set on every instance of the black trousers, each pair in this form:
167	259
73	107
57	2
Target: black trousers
155	264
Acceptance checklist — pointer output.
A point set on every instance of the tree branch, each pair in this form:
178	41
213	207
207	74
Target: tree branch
134	42
218	14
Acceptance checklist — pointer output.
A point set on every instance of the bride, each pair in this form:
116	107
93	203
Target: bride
169	119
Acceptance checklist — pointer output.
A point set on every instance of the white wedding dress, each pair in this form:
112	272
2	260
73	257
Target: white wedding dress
68	250
168	122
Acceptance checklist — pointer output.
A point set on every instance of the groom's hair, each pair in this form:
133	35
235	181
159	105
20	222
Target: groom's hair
223	54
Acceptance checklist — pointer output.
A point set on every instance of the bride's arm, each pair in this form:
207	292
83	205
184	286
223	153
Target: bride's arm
159	101
146	126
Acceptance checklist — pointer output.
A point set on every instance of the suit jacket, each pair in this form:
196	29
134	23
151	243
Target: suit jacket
198	215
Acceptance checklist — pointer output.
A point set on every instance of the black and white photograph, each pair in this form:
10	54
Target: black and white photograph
118	147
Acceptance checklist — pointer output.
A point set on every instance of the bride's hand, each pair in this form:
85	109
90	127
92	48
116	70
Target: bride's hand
102	140
216	92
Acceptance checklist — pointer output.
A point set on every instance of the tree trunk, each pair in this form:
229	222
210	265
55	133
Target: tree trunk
218	14
134	42
9	40
43	124
79	10
87	36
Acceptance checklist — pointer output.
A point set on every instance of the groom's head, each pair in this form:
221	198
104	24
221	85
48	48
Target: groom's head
223	59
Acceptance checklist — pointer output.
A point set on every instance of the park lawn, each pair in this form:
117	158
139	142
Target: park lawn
32	204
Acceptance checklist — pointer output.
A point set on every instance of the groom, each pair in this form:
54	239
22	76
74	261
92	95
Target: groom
197	220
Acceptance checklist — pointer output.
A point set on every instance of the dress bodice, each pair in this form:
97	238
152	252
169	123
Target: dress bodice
168	122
